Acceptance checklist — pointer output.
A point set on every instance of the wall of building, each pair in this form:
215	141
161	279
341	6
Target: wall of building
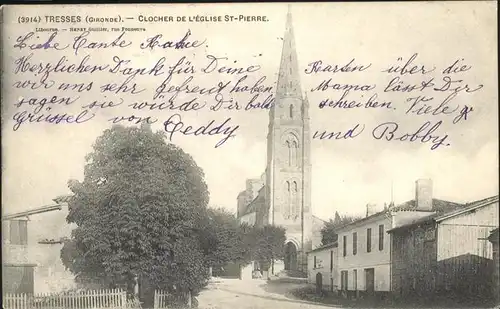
464	255
14	251
376	259
466	229
448	257
496	270
50	273
414	260
325	265
248	218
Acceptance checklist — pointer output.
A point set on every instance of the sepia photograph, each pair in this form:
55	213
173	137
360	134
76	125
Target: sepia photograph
253	156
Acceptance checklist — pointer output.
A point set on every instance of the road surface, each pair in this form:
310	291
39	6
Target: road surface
253	294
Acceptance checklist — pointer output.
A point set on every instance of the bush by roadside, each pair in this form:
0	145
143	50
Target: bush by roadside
331	298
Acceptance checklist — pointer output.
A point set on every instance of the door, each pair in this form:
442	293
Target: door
319	283
370	280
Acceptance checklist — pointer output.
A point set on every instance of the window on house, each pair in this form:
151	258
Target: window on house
368	240
354	243
344	244
331	260
18	232
381	237
315	262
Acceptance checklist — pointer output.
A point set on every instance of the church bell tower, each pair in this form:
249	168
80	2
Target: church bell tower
288	172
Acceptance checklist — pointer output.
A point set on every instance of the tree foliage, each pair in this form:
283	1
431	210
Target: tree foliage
228	241
221	237
328	234
138	212
269	244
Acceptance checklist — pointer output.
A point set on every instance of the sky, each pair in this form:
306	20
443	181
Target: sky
39	158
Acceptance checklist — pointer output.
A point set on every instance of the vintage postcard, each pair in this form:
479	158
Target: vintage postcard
259	155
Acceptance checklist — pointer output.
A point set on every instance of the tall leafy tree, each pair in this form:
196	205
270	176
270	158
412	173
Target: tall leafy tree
138	211
269	244
221	237
328	233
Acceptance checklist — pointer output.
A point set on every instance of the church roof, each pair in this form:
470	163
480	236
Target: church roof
258	200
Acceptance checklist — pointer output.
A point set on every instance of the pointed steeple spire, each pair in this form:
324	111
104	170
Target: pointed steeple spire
288	78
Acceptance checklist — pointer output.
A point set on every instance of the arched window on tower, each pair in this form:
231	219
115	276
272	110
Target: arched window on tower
292	146
294	200
287	205
291	111
293	153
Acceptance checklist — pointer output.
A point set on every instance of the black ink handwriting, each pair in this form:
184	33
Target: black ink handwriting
408	67
344	103
390	131
318	67
154	41
349	134
81	42
47	44
175	124
32	117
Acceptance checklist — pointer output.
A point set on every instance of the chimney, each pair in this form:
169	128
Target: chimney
423	194
371	209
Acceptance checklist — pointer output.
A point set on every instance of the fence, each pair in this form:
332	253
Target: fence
76	300
165	300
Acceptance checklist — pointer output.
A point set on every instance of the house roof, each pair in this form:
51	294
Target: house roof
438	207
327	246
252	206
30	212
319	219
441	214
469	207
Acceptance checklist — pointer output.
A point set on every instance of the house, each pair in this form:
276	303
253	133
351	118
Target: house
31	243
493	238
364	250
445	253
17	270
322	267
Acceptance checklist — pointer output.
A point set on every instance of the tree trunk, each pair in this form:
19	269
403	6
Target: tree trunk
210	271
